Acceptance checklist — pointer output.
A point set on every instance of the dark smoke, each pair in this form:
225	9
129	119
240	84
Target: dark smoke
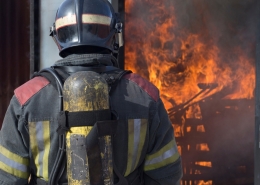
229	23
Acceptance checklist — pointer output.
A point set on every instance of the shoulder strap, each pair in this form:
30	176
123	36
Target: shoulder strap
113	75
57	77
56	80
51	74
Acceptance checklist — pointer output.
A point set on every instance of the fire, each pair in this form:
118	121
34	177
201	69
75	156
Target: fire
188	65
205	183
176	61
204	163
202	147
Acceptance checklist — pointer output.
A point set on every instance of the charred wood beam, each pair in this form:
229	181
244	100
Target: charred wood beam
257	103
34	36
204	177
219	180
192	138
197	156
204	88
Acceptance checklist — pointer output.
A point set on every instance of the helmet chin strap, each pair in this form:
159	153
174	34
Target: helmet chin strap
115	61
119	30
120	39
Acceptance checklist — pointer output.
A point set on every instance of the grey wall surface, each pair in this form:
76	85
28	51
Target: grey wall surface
48	49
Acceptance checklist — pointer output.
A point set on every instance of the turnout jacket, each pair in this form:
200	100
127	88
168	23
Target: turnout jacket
144	147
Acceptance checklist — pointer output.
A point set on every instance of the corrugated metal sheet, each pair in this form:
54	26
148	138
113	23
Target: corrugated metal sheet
14	49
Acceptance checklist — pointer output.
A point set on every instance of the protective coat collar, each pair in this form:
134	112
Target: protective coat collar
88	60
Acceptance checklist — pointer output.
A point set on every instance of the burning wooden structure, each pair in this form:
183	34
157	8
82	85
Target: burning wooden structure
200	55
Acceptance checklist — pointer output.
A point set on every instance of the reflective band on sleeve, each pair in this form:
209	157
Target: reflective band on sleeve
13	163
137	129
65	21
166	155
96	19
40	146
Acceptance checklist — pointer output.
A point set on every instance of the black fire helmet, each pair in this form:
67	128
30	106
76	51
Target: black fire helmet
86	26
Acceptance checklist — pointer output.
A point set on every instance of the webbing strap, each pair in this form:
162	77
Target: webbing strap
81	118
43	182
73	69
113	75
106	127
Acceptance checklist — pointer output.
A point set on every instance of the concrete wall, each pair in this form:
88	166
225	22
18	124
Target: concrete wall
48	49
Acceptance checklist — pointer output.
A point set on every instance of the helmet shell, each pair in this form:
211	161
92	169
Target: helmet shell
84	26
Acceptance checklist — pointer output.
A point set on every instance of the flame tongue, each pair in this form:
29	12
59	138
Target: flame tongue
177	61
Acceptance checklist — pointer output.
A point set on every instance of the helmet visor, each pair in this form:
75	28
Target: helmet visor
96	25
66	28
67	34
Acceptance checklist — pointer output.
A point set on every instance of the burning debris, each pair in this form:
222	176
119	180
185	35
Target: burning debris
201	56
205	89
177	51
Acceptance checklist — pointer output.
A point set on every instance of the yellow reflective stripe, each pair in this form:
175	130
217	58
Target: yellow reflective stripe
46	136
15	172
130	146
142	139
96	19
33	144
14	157
40	146
137	129
65	21
166	155
13	163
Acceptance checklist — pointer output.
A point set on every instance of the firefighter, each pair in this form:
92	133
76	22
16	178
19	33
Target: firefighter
84	120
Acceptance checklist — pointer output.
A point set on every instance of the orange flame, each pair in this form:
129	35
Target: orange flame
204	163
176	61
202	147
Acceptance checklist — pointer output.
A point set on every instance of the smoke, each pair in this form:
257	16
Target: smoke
229	23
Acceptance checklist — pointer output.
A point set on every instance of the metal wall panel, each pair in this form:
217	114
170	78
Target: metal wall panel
14	49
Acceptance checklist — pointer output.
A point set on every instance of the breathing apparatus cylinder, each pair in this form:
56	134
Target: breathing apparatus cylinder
88	144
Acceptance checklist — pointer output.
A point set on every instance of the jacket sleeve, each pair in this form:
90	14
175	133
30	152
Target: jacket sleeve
14	157
163	161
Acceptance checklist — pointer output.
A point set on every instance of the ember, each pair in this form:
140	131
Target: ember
202	60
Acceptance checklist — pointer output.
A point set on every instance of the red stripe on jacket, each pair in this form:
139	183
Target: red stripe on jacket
30	88
147	86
